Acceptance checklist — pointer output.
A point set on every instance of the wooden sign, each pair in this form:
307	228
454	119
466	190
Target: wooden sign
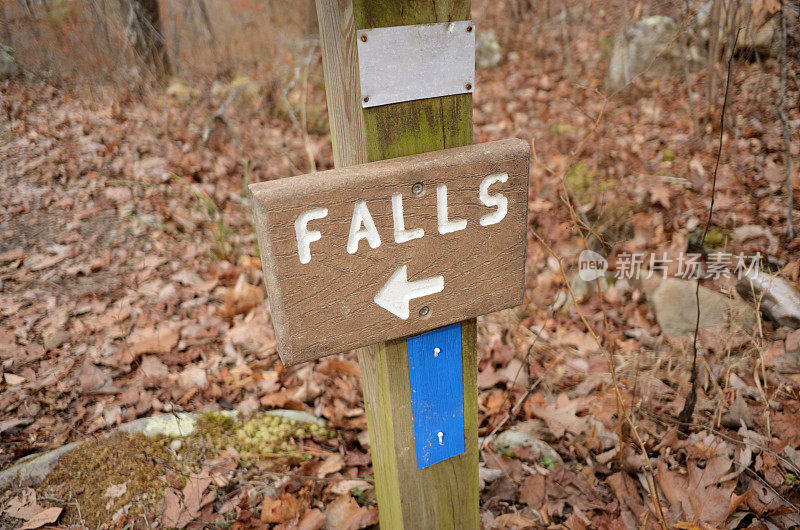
368	253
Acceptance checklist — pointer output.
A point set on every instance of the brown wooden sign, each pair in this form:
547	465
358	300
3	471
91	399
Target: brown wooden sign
367	253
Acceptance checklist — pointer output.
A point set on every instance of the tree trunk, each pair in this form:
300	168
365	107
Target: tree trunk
146	36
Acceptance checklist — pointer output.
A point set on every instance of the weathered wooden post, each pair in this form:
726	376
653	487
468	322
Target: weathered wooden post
384	251
444	495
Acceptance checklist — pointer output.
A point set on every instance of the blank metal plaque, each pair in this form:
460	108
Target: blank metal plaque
404	63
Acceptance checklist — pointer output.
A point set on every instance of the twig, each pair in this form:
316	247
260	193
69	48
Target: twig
785	126
664	419
650	478
689	93
691	400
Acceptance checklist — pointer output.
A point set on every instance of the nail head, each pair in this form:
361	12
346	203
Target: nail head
424	311
417	188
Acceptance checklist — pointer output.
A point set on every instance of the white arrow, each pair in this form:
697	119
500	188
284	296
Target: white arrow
397	292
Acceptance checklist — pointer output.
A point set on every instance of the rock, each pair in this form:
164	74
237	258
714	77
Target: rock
758	30
581	287
488	53
752	238
32	469
649	46
778	299
176	424
511	439
676	310
9	67
297	415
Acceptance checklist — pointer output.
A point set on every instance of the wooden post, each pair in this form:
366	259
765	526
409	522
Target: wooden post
444	495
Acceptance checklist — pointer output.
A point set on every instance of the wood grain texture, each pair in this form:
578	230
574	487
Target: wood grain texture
445	495
342	87
327	306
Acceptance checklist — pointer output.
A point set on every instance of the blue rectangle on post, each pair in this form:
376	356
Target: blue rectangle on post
437	394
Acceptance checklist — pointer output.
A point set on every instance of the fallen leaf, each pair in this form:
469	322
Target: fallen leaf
49	262
13	379
241	298
345	514
313	519
184	507
46	516
336	366
561	416
24	505
332	464
698	495
280	510
533	492
155	339
344	487
12	255
514	521
115	491
92	378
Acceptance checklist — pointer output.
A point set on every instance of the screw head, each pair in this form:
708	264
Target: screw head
469	29
424	311
363	38
366	99
468	86
417	188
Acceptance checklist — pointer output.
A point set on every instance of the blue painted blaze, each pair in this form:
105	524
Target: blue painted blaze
437	394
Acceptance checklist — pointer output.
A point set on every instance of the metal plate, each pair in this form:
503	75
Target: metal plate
404	63
437	394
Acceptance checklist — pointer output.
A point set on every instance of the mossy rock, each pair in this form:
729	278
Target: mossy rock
103	475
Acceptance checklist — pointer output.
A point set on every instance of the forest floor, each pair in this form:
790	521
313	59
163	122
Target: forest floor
130	286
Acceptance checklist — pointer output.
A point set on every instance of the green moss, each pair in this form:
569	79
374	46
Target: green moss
580	180
215	424
85	475
715	238
606	45
262	435
668	155
606	206
561	128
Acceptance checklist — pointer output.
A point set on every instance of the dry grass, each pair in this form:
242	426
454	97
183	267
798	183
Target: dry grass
84	40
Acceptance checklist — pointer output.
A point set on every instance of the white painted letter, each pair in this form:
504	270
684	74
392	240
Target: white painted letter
401	235
361	216
446	226
498	200
305	236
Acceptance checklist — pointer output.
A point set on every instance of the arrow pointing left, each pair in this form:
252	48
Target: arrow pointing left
397	292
